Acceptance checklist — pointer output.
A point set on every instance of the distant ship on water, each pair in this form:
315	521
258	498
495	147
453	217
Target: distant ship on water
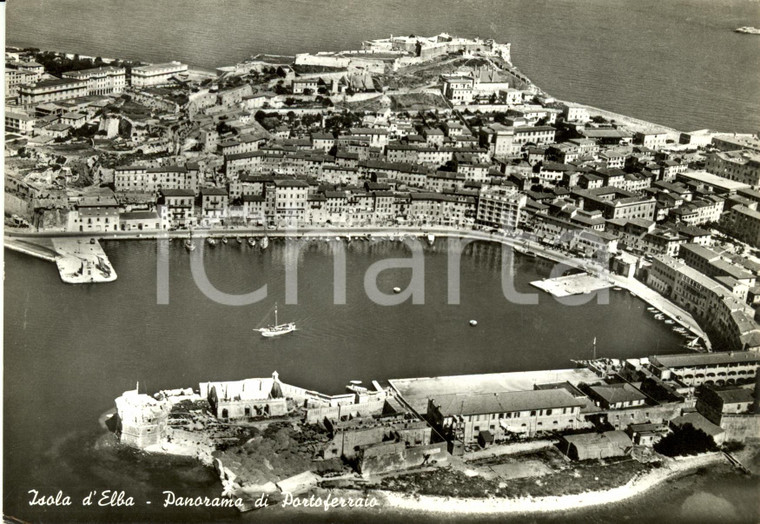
748	30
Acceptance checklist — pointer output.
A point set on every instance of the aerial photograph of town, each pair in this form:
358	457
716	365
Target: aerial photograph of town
355	262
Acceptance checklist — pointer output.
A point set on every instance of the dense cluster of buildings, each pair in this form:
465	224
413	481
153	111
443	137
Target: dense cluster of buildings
259	146
608	409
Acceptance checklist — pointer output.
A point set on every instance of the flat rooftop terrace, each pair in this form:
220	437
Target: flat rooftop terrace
417	391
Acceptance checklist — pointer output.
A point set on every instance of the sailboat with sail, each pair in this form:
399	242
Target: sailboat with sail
276	329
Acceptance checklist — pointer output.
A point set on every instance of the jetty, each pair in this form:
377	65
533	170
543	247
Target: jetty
79	260
581	283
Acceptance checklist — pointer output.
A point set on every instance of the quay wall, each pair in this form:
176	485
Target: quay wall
30	249
622	418
15	205
367	409
509	449
741	427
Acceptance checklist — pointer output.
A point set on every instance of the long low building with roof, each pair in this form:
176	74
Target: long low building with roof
695	369
156	74
52	91
472	417
590	446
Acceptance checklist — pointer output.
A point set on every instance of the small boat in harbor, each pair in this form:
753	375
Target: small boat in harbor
224	240
101	266
747	30
276	329
264	242
397	290
473	323
189	245
669	322
211	241
659	316
431	239
616	288
251	241
239	240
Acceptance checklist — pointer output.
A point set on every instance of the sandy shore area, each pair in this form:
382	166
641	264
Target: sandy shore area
634	124
495	506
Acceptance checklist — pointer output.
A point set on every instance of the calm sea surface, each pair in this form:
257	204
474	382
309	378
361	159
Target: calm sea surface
70	350
677	63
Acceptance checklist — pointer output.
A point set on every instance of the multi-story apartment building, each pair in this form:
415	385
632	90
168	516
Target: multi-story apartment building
177	208
458	89
617	203
701	211
19	123
337	175
101	80
574	112
741	166
506	141
695	369
156	74
52	91
728	320
288	199
14	78
535	135
744	224
377	137
93	217
468	417
500	207
441	209
214	205
401	153
142	179
652	140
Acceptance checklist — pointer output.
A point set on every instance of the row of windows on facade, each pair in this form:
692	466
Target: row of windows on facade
517	414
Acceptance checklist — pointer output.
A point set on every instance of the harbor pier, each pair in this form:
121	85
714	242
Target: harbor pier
79	260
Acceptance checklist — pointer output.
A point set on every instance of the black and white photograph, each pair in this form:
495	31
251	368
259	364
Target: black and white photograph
353	261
